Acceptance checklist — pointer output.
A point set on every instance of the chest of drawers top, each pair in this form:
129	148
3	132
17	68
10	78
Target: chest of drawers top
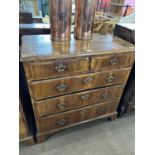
40	47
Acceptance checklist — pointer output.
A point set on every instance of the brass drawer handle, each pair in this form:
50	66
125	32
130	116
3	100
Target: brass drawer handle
110	78
61	67
62	122
114	61
61	105
62	87
85	97
105	96
101	110
88	80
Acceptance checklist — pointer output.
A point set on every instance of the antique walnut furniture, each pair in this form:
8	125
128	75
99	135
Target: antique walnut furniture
24	132
127	102
74	82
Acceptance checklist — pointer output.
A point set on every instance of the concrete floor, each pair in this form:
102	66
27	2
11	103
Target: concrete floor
100	137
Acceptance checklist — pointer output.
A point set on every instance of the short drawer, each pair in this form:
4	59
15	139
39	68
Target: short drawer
57	68
65	119
55	87
76	100
112	61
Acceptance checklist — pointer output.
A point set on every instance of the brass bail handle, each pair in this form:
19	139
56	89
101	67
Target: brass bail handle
61	67
88	80
62	87
105	96
114	61
61	105
110	78
85	97
101	110
62	122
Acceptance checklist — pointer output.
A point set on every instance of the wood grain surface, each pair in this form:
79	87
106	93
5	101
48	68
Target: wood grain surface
112	61
54	87
41	48
76	100
57	68
74	82
57	121
23	128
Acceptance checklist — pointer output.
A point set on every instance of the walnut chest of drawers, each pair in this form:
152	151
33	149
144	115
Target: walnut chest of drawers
74	82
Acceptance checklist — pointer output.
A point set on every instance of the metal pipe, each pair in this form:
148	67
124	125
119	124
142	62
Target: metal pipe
60	19
85	12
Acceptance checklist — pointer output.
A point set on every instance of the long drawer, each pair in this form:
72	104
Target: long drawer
112	61
61	120
54	87
57	68
76	100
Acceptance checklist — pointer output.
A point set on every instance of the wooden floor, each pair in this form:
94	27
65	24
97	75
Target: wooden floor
96	138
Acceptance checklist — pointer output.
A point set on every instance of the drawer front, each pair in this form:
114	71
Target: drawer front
111	61
57	68
55	87
61	120
73	101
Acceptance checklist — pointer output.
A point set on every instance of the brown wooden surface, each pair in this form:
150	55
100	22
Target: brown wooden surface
23	128
41	137
28	140
50	69
77	100
40	47
49	88
67	79
24	132
57	121
112	61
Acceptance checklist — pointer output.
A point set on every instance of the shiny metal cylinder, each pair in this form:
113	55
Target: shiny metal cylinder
85	12
60	19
